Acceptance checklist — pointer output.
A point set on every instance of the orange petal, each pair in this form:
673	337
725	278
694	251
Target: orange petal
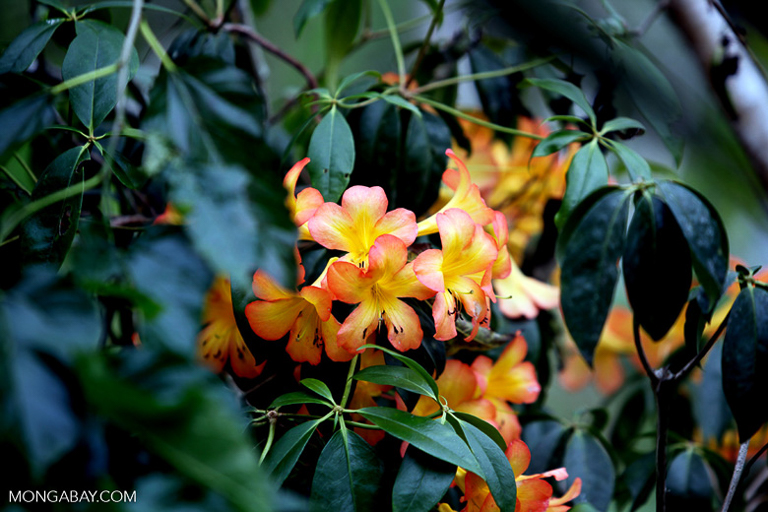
533	495
319	298
400	223
429	269
349	283
572	492
332	227
265	288
444	316
307	203
305	344
358	325
403	325
365	205
272	320
241	360
330	330
519	456
457	383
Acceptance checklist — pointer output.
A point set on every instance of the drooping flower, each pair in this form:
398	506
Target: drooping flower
459	273
306	314
220	341
362	217
466	197
534	494
510	378
378	290
302	206
523	296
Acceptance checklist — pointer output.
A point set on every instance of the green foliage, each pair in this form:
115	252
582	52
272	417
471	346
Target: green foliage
421	481
23	50
587	459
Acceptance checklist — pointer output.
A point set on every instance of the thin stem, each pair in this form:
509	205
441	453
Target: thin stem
153	43
25	166
15	179
363	425
199	12
269	46
459	113
662	426
220	9
348	385
482	76
85	78
270	439
754	458
425	44
395	40
12	239
648	21
704	350
737	470
643	357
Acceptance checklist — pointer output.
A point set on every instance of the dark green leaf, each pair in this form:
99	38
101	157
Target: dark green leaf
23	120
705	233
543	438
423	162
342	19
399	376
403	103
484	427
556	141
620	124
348	475
318	387
421	482
588	172
498	94
193	43
589	270
710	407
283	456
220	212
689	482
657	266
129	175
307	10
574	219
586	458
332	155
297	397
695	320
350	79
47	235
496	467
23	50
566	89
413	365
97	45
639	477
378	133
169	273
427	435
745	360
638	168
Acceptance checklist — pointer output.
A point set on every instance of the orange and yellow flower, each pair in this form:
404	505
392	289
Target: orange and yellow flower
301	206
306	314
220	340
377	290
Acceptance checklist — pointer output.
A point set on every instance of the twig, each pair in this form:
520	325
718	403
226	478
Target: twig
425	44
395	41
248	32
703	352
643	357
754	458
737	470
644	25
482	76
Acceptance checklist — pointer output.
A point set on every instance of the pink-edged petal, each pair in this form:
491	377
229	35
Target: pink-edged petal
523	295
533	495
502	267
365	205
289	182
429	269
482	366
481	408
307	203
519	385
349	283
519	456
272	320
400	223
387	256
265	288
403	325
444	315
556	504
405	284
358	326
320	299
332	227
330	330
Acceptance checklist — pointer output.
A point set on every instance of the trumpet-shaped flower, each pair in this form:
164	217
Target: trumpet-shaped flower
306	314
466	197
502	267
302	206
377	290
533	493
509	378
521	295
362	217
459	273
220	341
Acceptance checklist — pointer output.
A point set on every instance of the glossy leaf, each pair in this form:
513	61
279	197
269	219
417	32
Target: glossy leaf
689	484
566	89
557	140
413	365
637	167
656	266
319	387
427	435
620	124
745	360
587	459
497	95
589	270
378	147
307	10
402	103
399	376
496	467
97	45
332	155
421	482
483	426
286	452
23	120
543	439
710	407
639	477
47	235
297	397
23	50
423	162
705	233
587	172
355	77
348	475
